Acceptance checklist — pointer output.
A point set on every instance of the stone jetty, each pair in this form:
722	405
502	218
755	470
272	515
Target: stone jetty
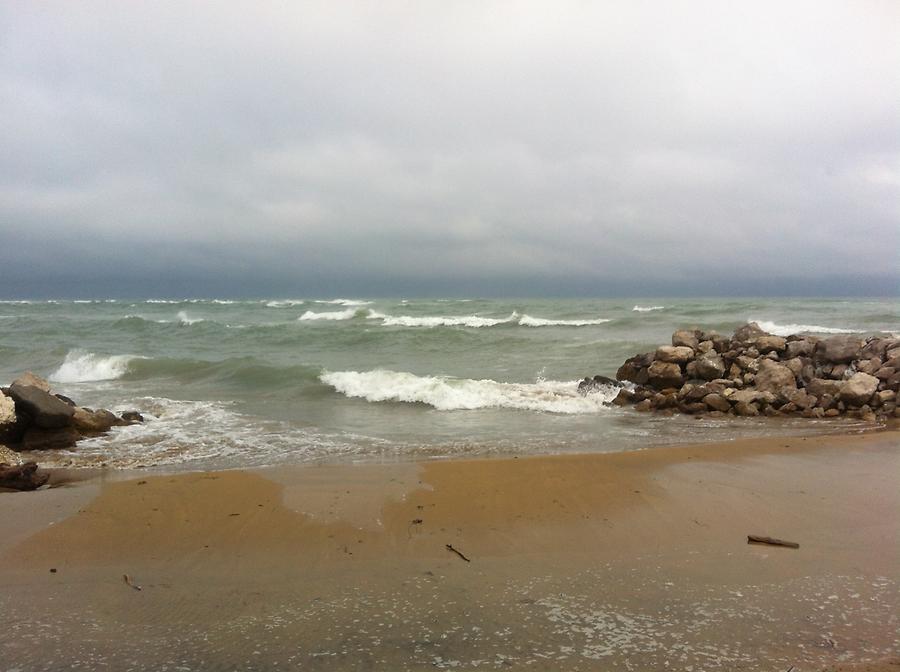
755	373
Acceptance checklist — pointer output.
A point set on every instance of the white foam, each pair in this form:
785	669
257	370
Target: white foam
528	321
446	394
284	303
646	309
162	301
346	302
790	329
474	321
186	319
82	367
348	314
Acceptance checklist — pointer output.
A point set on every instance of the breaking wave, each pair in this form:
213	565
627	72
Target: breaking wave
186	319
447	394
346	302
82	367
284	303
348	314
646	309
474	321
789	329
528	321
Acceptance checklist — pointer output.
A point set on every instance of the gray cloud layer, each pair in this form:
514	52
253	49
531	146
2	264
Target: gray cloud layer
476	147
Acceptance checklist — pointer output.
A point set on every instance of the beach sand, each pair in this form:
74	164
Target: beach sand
632	561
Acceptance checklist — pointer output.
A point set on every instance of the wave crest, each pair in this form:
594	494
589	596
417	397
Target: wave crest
646	309
448	394
348	314
528	321
82	367
790	329
474	321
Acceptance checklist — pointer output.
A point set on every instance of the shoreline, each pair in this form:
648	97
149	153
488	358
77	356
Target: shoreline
609	556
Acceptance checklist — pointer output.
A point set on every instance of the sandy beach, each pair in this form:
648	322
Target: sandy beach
635	560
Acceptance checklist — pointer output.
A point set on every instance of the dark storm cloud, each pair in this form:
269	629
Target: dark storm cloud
450	147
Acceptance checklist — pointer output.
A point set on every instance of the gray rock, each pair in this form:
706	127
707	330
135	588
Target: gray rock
87	421
795	364
869	366
705	346
748	333
686	338
709	365
767	344
36	438
822	386
664	374
885	372
677	354
858	389
839	349
30	379
775	378
132	417
45	410
804	348
745	409
717	402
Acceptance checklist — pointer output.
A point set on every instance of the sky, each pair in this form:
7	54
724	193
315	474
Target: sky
449	148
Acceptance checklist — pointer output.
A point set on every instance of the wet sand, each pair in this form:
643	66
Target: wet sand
587	562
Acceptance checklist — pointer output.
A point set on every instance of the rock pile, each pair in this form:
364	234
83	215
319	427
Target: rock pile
33	418
754	372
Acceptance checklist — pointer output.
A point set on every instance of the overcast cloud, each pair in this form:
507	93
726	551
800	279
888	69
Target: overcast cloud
449	147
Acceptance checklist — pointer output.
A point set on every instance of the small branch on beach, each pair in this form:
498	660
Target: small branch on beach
416	521
753	539
453	550
130	583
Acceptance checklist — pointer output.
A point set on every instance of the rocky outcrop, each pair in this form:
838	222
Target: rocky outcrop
45	410
755	373
33	418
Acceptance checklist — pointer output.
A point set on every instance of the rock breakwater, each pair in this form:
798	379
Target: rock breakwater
756	373
33	418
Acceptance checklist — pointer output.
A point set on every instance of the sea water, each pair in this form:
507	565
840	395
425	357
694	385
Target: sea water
229	383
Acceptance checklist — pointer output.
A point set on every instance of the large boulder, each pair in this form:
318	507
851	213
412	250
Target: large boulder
30	379
709	365
678	354
36	438
685	338
767	344
748	333
87	421
664	374
858	389
45	410
717	402
822	386
775	378
802	348
839	349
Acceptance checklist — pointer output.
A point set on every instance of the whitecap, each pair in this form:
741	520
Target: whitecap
80	366
790	329
646	309
474	321
186	319
345	302
446	394
284	303
332	315
528	321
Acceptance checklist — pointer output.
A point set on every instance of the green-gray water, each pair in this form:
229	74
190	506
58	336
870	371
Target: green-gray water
231	383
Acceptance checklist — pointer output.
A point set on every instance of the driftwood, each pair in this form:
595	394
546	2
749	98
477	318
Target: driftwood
130	583
453	550
22	477
753	539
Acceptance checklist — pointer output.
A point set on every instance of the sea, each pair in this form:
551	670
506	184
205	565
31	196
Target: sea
226	383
